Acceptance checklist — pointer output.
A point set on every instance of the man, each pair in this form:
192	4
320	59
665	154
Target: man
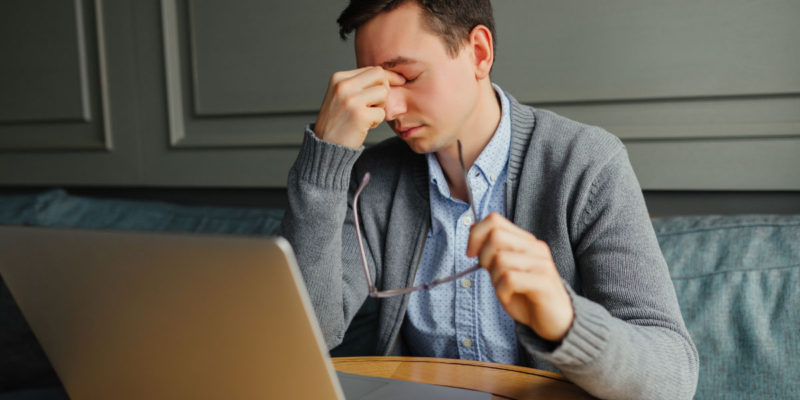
573	279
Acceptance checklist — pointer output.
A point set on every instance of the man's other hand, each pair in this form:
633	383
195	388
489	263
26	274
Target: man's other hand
354	104
524	276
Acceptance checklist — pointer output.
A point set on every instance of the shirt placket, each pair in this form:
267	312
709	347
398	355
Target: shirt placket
466	322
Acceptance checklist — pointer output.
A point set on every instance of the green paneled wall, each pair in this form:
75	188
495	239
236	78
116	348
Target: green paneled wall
210	93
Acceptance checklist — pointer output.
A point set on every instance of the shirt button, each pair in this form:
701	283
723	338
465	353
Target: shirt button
466	283
492	178
467	220
467	342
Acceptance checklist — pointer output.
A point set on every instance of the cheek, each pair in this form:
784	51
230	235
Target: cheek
445	95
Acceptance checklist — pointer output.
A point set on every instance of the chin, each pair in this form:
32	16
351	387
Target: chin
427	141
419	146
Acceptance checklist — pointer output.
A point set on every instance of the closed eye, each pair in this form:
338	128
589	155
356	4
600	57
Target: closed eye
411	80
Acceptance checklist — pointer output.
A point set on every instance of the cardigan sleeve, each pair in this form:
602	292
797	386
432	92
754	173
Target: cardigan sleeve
319	225
628	339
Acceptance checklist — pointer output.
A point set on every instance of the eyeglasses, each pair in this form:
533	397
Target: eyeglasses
373	291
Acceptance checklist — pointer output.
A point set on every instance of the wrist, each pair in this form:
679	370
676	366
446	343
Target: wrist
561	316
324	164
331	137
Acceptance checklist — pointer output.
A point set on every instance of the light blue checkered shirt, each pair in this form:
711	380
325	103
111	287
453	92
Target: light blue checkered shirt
462	319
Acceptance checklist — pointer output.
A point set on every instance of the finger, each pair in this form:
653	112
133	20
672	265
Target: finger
374	96
541	249
343	84
513	282
371	76
394	78
524	297
510	261
540	269
507	224
499	239
374	116
480	232
343	76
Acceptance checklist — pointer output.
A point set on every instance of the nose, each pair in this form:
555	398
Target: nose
395	103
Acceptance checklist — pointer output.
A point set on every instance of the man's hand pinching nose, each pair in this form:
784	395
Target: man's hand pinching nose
354	104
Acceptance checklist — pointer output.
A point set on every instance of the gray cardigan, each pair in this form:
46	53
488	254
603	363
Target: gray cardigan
570	185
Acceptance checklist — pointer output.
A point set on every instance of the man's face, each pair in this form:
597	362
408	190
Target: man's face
433	108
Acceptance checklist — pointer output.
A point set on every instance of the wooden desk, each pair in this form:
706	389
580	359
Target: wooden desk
503	381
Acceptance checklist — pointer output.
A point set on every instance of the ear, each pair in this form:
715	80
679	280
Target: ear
482	44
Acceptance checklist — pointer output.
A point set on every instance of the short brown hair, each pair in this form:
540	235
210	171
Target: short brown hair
451	20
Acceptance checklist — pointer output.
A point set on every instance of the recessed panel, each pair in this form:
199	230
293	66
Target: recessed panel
59	99
730	164
257	57
576	50
41	74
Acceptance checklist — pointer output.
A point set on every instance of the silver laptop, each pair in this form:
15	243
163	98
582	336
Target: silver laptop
125	315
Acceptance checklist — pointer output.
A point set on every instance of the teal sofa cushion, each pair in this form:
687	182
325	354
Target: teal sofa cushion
737	279
57	208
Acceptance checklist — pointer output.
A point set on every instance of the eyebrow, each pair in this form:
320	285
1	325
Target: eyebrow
397	61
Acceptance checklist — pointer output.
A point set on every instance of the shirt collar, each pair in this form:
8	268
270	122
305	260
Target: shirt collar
494	157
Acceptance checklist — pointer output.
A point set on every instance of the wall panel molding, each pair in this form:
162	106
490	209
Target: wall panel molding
571	50
717	164
724	117
212	93
232	117
88	126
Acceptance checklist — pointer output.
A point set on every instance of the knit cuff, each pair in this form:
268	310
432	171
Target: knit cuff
585	341
324	164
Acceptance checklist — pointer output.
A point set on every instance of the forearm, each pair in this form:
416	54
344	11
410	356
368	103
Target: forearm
628	339
315	224
616	359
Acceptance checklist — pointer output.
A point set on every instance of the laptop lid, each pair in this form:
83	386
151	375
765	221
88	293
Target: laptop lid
128	315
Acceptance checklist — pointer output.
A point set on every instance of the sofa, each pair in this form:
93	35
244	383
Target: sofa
737	279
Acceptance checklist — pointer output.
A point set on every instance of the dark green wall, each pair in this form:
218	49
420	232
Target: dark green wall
214	94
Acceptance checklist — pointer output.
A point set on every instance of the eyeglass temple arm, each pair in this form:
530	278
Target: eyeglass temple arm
398	292
466	182
361	186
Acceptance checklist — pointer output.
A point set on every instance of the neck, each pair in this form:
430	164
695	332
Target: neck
475	135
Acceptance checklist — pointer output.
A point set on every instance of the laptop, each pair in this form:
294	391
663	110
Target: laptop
134	315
